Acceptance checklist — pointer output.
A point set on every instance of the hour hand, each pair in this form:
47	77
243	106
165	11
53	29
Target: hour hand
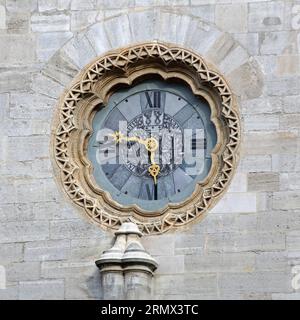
154	171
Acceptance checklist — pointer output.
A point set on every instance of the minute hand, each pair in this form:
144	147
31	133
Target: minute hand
150	144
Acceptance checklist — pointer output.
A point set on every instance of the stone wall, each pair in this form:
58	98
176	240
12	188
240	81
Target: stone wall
248	244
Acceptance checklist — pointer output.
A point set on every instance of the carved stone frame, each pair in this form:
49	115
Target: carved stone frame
93	86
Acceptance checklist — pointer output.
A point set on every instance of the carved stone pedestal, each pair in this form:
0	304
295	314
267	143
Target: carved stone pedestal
126	268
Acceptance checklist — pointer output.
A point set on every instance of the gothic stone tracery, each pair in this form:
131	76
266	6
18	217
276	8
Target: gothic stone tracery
99	207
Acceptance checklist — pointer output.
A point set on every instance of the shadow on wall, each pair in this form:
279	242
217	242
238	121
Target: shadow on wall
94	286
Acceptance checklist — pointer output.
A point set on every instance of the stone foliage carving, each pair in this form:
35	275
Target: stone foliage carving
94	85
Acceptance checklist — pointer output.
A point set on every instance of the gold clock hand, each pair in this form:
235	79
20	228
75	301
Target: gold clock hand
119	137
154	171
150	144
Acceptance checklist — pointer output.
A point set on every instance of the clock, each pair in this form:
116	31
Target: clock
150	134
152	144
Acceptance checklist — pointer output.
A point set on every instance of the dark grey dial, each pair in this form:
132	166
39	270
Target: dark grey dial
172	116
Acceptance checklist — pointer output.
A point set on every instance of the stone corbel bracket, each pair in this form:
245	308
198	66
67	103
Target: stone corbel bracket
126	268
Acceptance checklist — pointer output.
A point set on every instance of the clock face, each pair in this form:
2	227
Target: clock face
152	144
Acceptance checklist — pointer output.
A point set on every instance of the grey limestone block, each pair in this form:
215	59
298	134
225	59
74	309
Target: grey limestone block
50	22
23	231
42	290
47	250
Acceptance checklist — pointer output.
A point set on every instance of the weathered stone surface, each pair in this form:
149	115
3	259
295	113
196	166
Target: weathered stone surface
23	231
168	284
163	245
30	106
18	22
236	202
188	241
52	5
289	162
16	49
108	4
17	6
238	183
52	209
137	285
263	181
247	80
290	121
290	181
170	264
47	250
61	68
83	19
50	23
150	18
41	290
235	59
286	200
254	282
209	36
266	16
2	17
271	221
48	43
69	229
10	293
112	285
47	86
205	12
204	285
250	241
118	31
26	127
80	51
11	252
79	5
175	28
276	42
38	168
282	86
89	249
60	269
232	17
218	262
286	296
273	261
288	65
221	48
4	103
293	240
11	212
261	122
250	41
98	38
30	148
84	287
23	271
257	163
262	106
262	143
290	104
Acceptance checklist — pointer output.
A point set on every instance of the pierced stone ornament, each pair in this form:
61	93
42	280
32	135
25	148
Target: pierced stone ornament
72	129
